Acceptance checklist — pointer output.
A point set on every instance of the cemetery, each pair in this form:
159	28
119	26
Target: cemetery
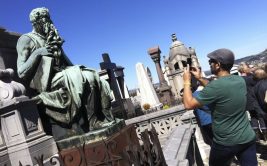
54	112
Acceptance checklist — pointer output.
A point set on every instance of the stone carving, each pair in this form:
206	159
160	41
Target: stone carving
21	128
74	98
9	88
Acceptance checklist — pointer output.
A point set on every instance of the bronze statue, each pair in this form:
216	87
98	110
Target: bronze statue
73	98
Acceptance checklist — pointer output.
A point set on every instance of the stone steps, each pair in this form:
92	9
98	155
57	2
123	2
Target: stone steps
176	147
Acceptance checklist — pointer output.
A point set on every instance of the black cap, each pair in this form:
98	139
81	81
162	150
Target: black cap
223	55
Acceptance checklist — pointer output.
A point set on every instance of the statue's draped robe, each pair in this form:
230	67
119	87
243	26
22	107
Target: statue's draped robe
74	89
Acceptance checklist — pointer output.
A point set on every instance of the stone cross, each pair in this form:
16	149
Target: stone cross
110	67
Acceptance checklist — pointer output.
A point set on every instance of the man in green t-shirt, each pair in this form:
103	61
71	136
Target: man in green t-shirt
226	97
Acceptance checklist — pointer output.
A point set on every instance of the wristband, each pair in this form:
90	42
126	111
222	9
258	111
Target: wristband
187	84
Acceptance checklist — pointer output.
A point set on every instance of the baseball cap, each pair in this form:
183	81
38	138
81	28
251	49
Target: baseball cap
223	55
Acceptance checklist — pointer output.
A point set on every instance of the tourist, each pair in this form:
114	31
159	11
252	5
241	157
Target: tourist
251	81
260	104
244	69
226	97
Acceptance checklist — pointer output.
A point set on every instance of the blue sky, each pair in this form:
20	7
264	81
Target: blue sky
127	28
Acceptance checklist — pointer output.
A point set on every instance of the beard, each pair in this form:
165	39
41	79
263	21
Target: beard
43	28
46	28
213	70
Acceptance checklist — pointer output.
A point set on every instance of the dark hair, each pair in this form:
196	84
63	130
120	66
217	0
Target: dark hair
226	67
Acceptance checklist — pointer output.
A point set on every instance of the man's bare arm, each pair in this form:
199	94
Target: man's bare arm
189	101
27	60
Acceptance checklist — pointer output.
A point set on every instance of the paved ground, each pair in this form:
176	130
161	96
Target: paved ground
262	153
262	162
204	150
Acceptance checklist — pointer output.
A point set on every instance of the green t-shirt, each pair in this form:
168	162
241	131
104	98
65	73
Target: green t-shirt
226	98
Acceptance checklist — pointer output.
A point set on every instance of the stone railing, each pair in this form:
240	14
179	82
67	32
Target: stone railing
176	134
164	121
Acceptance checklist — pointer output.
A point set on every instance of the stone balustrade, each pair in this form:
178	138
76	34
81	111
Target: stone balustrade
175	128
164	121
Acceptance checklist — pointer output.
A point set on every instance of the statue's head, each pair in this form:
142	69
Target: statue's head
39	13
40	19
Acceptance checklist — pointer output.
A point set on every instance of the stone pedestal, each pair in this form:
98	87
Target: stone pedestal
4	159
165	90
165	94
123	104
128	105
23	133
109	151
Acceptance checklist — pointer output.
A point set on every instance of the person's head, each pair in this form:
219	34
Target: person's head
244	68
221	60
40	19
259	74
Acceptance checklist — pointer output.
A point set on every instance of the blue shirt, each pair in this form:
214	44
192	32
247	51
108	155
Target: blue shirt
203	113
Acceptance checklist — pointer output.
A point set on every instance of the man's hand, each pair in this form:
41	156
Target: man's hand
189	101
187	74
197	73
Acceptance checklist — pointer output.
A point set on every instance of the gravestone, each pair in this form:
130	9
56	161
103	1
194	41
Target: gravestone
122	104
120	78
147	91
149	74
110	67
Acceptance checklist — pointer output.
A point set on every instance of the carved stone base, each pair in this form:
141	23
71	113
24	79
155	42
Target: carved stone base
23	133
108	151
29	153
4	158
165	94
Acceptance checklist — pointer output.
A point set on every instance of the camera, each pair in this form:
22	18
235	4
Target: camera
192	67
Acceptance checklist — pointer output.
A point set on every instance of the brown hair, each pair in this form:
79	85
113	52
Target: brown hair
260	74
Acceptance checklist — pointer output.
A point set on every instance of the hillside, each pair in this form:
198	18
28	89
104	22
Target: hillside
254	59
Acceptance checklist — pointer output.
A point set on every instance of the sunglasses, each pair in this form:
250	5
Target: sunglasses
212	61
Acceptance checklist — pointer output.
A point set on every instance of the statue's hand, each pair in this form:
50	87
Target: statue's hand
44	51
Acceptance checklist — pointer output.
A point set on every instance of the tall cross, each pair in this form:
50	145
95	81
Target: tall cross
110	68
